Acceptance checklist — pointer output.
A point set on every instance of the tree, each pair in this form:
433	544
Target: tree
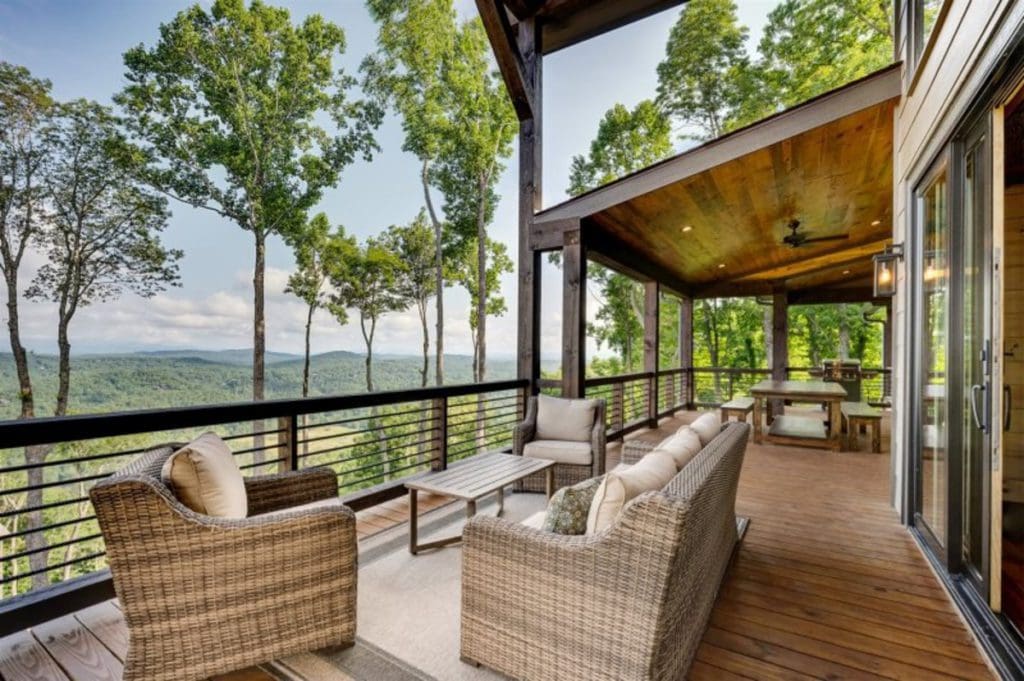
101	238
368	284
626	141
705	76
25	107
317	250
411	71
457	119
229	107
619	316
812	46
465	273
416	250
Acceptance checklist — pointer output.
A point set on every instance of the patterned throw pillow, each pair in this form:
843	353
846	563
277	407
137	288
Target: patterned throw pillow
569	506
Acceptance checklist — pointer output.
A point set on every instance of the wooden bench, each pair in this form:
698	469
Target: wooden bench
857	416
738	407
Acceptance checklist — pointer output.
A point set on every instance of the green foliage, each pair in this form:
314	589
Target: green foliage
812	46
229	107
626	141
704	78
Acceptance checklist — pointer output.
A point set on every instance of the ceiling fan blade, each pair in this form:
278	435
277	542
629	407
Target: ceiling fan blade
838	237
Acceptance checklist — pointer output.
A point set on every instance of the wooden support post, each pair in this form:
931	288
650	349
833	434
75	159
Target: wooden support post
287	443
574	314
529	203
780	347
440	421
887	339
652	302
686	348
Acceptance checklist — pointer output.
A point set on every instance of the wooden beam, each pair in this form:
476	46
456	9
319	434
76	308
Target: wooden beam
611	252
824	296
524	9
530	176
574	315
508	54
548	236
652	303
780	344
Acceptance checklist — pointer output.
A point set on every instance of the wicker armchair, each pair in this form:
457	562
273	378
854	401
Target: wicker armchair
630	602
204	596
565	473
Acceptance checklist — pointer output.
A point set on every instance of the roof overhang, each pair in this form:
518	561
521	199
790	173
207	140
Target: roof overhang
827	163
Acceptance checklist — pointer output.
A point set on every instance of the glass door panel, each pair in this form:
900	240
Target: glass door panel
934	287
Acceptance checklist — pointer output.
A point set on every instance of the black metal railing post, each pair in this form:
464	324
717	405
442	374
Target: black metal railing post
440	410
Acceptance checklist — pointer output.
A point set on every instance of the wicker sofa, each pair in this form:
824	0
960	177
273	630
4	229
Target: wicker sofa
566	472
630	602
204	595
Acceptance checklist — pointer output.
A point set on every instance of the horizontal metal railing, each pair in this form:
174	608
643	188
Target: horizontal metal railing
49	538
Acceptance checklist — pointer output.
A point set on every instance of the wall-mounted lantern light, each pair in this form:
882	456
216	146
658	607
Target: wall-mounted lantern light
885	270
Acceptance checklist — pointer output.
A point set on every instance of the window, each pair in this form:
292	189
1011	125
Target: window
926	15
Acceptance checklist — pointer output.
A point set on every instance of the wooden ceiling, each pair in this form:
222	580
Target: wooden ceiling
834	174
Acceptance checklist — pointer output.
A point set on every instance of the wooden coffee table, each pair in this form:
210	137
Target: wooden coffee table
470	480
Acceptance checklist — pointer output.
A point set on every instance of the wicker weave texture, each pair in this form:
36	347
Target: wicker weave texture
203	596
629	603
565	474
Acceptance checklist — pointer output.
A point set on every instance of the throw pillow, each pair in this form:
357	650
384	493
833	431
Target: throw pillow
561	419
683	445
651	473
708	426
205	477
569	507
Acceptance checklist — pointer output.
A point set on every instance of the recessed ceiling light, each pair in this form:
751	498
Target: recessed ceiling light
876	223
846	271
721	265
687	228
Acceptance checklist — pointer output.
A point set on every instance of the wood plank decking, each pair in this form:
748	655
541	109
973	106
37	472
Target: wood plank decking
827	584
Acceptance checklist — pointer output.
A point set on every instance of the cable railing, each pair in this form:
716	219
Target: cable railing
49	537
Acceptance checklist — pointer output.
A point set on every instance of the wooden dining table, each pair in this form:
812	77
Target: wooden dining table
798	430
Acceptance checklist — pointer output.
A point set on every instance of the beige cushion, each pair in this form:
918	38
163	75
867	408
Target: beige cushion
708	426
651	473
683	445
205	477
562	451
536	521
559	419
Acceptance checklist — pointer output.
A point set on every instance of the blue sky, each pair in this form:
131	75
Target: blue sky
78	46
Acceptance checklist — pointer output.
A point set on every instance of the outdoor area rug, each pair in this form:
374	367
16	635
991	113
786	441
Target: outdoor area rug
409	608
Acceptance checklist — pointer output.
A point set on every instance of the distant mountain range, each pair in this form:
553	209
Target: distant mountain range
170	378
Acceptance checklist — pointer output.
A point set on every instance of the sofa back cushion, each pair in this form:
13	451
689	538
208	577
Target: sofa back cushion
561	419
205	477
683	445
651	473
708	425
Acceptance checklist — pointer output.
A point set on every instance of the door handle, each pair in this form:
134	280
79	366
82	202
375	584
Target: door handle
1007	407
975	389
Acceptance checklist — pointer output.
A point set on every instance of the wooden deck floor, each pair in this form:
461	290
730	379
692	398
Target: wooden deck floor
827	584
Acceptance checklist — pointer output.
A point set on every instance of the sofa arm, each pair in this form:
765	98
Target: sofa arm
540	605
599	439
526	430
268	493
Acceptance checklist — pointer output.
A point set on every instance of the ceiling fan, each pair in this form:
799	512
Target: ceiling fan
796	238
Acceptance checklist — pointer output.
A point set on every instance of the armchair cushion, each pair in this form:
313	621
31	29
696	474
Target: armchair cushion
310	506
561	451
569	507
650	474
205	477
683	446
561	419
708	425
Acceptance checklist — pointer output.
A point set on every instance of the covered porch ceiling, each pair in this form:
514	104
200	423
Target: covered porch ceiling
710	221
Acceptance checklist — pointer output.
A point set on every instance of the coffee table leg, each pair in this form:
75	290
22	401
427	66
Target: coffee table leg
413	522
549	481
501	501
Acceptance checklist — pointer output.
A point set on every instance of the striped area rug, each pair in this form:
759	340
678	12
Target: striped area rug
362	662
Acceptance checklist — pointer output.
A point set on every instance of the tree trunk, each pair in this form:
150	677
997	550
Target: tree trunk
305	366
438	274
844	334
259	336
481	278
767	327
422	304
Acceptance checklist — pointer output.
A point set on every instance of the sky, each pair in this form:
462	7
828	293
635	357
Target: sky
79	45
